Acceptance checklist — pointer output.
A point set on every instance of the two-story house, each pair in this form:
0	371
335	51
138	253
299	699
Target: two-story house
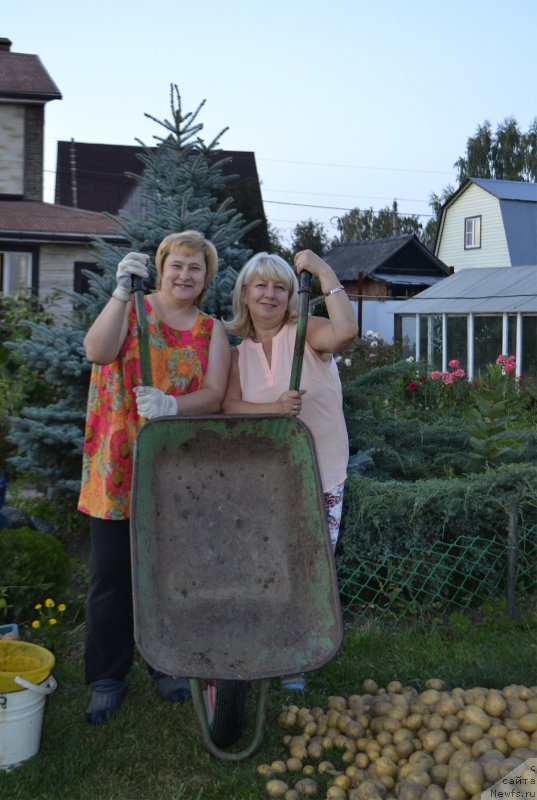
487	234
42	245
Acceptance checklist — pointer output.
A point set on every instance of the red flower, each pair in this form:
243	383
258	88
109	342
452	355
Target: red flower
412	386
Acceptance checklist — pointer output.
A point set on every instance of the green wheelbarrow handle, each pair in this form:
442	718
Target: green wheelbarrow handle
143	334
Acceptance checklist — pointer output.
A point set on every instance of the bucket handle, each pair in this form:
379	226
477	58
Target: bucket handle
41	688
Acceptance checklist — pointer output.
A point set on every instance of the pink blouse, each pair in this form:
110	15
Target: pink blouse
322	404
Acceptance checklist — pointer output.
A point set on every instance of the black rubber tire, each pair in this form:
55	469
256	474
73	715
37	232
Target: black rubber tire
229	714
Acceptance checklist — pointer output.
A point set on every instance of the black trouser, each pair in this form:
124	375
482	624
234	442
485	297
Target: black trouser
109	614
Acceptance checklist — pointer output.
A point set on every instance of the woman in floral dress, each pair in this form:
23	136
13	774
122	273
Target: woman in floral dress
189	354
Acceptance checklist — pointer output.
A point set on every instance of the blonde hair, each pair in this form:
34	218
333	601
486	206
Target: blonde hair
270	267
193	242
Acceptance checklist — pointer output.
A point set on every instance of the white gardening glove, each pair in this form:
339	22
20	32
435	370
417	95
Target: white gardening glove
132	264
152	403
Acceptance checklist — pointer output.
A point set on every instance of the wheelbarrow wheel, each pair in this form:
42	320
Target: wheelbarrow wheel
226	710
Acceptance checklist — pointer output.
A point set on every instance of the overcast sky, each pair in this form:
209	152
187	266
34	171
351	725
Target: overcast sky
345	103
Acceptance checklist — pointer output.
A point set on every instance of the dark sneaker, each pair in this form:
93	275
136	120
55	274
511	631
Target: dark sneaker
171	688
106	697
294	683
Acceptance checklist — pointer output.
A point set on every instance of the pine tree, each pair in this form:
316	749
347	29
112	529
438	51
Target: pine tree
181	188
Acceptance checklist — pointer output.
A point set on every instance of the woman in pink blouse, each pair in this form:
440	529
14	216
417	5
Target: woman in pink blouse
265	304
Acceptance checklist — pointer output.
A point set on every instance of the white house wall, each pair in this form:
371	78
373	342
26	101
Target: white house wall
378	316
56	271
493	251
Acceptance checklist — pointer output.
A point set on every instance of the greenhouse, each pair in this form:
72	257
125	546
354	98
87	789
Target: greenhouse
472	317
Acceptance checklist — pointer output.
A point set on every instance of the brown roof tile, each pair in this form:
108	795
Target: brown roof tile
24	76
19	217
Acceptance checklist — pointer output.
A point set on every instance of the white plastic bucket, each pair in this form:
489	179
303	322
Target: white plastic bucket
21	721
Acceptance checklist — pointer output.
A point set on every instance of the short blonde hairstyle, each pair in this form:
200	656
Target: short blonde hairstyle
270	267
192	242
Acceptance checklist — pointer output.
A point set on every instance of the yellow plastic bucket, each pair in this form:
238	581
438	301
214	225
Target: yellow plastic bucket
31	662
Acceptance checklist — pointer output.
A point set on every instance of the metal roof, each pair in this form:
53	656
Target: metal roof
491	290
409	280
520	225
508	190
396	255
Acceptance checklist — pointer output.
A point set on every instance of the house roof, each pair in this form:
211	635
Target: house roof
101	183
386	259
508	190
33	221
23	76
490	290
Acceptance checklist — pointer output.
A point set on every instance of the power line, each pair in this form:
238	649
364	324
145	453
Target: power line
358	166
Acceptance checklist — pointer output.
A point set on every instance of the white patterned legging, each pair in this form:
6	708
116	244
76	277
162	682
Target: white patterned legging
333	501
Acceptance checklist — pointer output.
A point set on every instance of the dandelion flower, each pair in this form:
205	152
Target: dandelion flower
49	603
61	607
38	606
36	624
53	621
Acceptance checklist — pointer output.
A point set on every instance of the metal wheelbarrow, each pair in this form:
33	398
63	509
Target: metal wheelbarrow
234	578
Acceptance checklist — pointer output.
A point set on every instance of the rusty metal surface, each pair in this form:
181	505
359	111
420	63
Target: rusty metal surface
233	572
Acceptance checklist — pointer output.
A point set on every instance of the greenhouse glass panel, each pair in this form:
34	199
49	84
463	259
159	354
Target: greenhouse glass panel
457	339
435	339
487	340
529	346
511	335
408	333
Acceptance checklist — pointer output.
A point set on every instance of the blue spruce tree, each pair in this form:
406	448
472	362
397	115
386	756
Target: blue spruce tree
181	188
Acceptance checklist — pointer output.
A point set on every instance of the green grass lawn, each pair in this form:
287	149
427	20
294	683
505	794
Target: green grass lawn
153	751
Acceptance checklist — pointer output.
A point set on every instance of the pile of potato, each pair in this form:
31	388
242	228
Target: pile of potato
396	742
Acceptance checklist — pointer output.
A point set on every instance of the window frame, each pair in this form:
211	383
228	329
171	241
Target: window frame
475	228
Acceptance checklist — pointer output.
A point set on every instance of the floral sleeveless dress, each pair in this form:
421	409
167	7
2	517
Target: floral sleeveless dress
179	362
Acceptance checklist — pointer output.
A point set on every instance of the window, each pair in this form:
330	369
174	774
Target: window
15	273
472	233
81	282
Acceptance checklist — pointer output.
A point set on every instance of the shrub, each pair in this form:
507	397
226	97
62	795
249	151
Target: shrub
391	517
34	564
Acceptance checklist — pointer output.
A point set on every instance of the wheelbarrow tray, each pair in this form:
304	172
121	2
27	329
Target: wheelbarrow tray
233	571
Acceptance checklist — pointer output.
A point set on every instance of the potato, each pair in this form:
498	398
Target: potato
371	789
294	764
335	793
279	767
470	733
454	790
447	705
265	770
291	794
494	771
482	746
431	739
495	704
307	787
384	766
517	738
430	697
370	686
343	781
439	774
474	715
443	752
528	722
419	776
451	723
410	791
433	792
414	721
471	777
276	788
516	708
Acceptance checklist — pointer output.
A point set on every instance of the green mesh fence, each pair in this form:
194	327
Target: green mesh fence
450	576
